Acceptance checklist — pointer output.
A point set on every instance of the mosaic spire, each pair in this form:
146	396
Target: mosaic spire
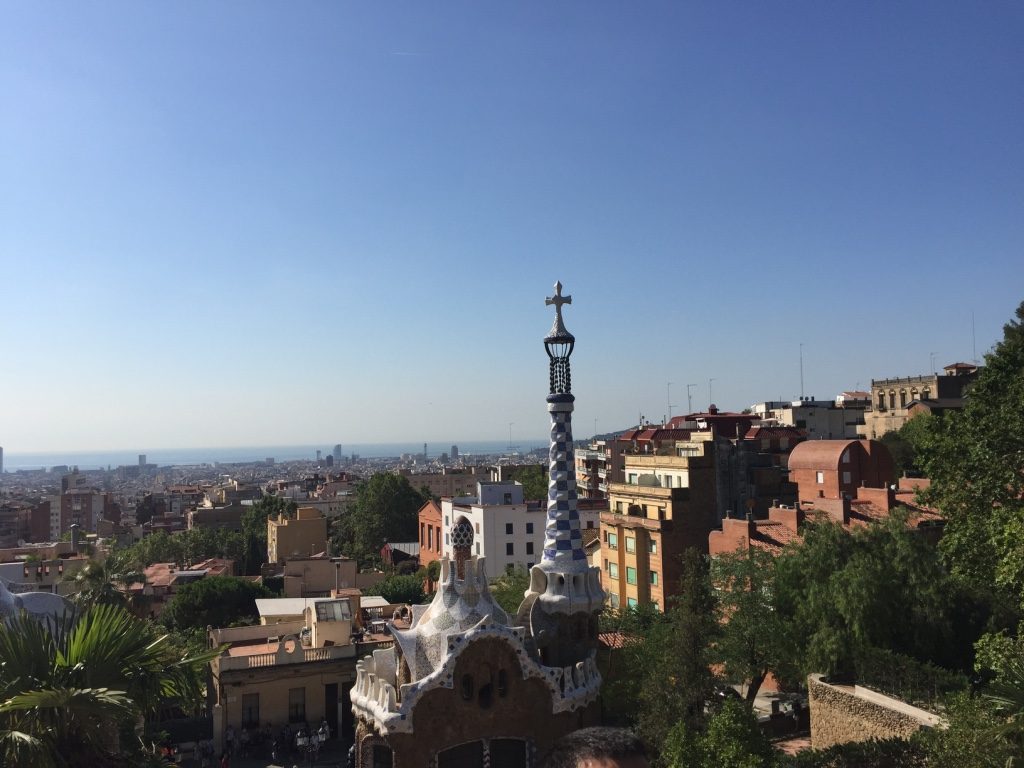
563	542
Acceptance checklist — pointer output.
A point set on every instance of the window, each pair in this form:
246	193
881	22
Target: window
510	548
529	527
590	523
654	578
529	566
668	481
613	571
632	478
422	537
652	547
478	547
477	527
892	400
630	575
447	538
846	478
250	709
333	610
630	544
631	602
903	398
296	705
618	507
881	401
430	537
508	529
529	547
446	523
821	478
613	541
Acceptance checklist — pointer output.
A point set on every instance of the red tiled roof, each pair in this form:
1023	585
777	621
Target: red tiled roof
772	536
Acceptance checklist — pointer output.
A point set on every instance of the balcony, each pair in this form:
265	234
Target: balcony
283	656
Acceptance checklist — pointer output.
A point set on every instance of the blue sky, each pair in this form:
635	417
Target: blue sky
266	223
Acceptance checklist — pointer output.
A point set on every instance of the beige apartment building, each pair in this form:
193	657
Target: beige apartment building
294	672
668	503
891	398
302	535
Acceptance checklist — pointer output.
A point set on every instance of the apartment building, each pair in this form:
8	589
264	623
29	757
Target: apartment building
302	535
507	531
667	503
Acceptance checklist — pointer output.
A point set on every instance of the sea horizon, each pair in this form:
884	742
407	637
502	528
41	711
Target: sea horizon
101	459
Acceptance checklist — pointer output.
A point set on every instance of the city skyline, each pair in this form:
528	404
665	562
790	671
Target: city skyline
247	224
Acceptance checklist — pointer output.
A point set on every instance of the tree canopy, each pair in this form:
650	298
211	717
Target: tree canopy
214	601
385	509
756	638
398	589
73	692
975	460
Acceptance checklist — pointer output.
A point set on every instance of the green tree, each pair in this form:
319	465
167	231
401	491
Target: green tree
214	601
399	589
975	459
106	581
973	739
157	548
678	682
756	638
882	586
385	509
535	483
72	692
509	588
732	739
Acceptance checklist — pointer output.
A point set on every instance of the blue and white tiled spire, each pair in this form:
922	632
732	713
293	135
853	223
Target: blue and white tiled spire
563	542
563	581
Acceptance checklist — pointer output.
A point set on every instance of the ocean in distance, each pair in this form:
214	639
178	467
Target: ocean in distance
14	461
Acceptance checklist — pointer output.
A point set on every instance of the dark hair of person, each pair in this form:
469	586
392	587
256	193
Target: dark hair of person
593	744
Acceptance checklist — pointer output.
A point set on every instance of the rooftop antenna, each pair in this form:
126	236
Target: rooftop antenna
801	370
510	435
668	398
931	361
689	398
974	348
711	400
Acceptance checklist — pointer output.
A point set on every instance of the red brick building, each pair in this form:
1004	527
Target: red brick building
833	469
430	532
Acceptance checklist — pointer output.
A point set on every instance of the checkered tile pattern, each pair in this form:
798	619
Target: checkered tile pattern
563	541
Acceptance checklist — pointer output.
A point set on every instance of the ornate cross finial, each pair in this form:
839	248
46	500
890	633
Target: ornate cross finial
558	300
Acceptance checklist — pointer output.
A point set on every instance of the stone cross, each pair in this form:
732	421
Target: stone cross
558	300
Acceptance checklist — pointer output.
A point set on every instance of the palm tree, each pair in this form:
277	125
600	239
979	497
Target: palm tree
107	581
72	692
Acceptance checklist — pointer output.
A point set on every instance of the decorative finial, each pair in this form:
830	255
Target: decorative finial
558	330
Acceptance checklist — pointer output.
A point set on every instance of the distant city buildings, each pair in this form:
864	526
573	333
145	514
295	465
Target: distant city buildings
819	419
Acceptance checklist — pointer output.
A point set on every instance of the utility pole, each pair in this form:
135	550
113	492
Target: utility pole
689	398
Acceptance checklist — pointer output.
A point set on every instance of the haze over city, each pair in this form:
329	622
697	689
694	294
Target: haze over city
276	224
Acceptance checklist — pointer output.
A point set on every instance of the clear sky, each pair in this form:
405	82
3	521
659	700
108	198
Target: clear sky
232	223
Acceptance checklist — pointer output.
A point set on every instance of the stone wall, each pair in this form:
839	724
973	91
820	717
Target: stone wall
845	713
